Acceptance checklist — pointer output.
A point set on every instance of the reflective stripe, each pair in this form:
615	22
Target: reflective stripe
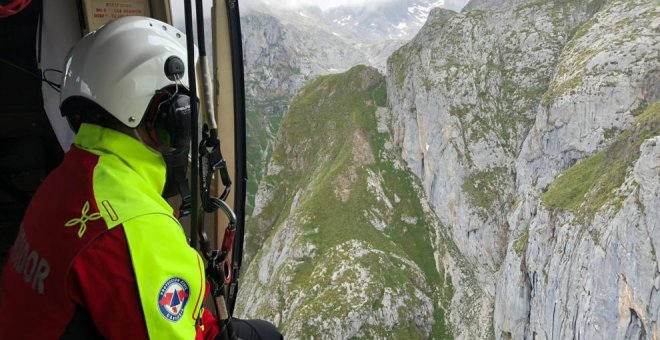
128	181
160	254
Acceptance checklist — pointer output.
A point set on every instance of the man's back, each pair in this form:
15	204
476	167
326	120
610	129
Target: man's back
96	245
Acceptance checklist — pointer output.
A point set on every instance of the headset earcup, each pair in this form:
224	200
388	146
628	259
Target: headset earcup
174	119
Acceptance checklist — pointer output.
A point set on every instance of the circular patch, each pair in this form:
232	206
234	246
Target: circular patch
172	298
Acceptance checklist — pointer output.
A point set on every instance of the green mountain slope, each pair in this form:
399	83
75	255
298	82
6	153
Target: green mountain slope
262	120
345	245
588	186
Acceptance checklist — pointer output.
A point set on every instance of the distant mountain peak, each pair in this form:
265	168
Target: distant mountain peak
365	23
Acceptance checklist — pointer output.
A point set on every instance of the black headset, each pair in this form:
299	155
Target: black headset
168	119
168	113
168	123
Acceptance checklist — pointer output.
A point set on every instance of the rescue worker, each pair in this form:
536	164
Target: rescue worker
99	252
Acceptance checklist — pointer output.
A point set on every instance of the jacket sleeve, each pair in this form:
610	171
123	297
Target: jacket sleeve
102	281
142	280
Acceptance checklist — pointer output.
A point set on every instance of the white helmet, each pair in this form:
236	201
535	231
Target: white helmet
121	65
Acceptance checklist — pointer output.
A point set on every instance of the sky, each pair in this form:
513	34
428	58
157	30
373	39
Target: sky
291	4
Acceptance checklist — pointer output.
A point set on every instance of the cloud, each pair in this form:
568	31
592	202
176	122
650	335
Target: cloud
290	4
455	5
247	5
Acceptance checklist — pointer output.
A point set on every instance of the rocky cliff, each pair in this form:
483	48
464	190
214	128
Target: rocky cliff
345	237
533	129
279	60
284	48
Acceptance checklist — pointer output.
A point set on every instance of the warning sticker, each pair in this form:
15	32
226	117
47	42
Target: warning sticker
102	11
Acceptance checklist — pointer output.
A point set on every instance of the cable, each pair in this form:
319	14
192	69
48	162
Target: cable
207	86
13	8
55	86
41	29
20	68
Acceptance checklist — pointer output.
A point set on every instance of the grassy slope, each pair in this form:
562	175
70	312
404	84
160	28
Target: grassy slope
317	150
592	183
260	129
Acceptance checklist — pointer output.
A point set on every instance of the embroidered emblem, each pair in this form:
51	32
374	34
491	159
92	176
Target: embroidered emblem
172	298
82	221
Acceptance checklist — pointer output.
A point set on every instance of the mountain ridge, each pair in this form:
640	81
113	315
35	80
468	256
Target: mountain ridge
519	93
332	189
503	185
286	48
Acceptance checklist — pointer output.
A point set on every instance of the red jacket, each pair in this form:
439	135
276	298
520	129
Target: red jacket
99	252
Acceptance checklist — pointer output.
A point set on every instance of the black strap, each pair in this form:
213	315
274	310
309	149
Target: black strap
256	330
194	122
240	176
177	168
206	160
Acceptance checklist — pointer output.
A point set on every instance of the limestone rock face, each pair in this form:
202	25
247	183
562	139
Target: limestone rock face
279	59
591	269
345	242
607	72
522	120
285	48
502	181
